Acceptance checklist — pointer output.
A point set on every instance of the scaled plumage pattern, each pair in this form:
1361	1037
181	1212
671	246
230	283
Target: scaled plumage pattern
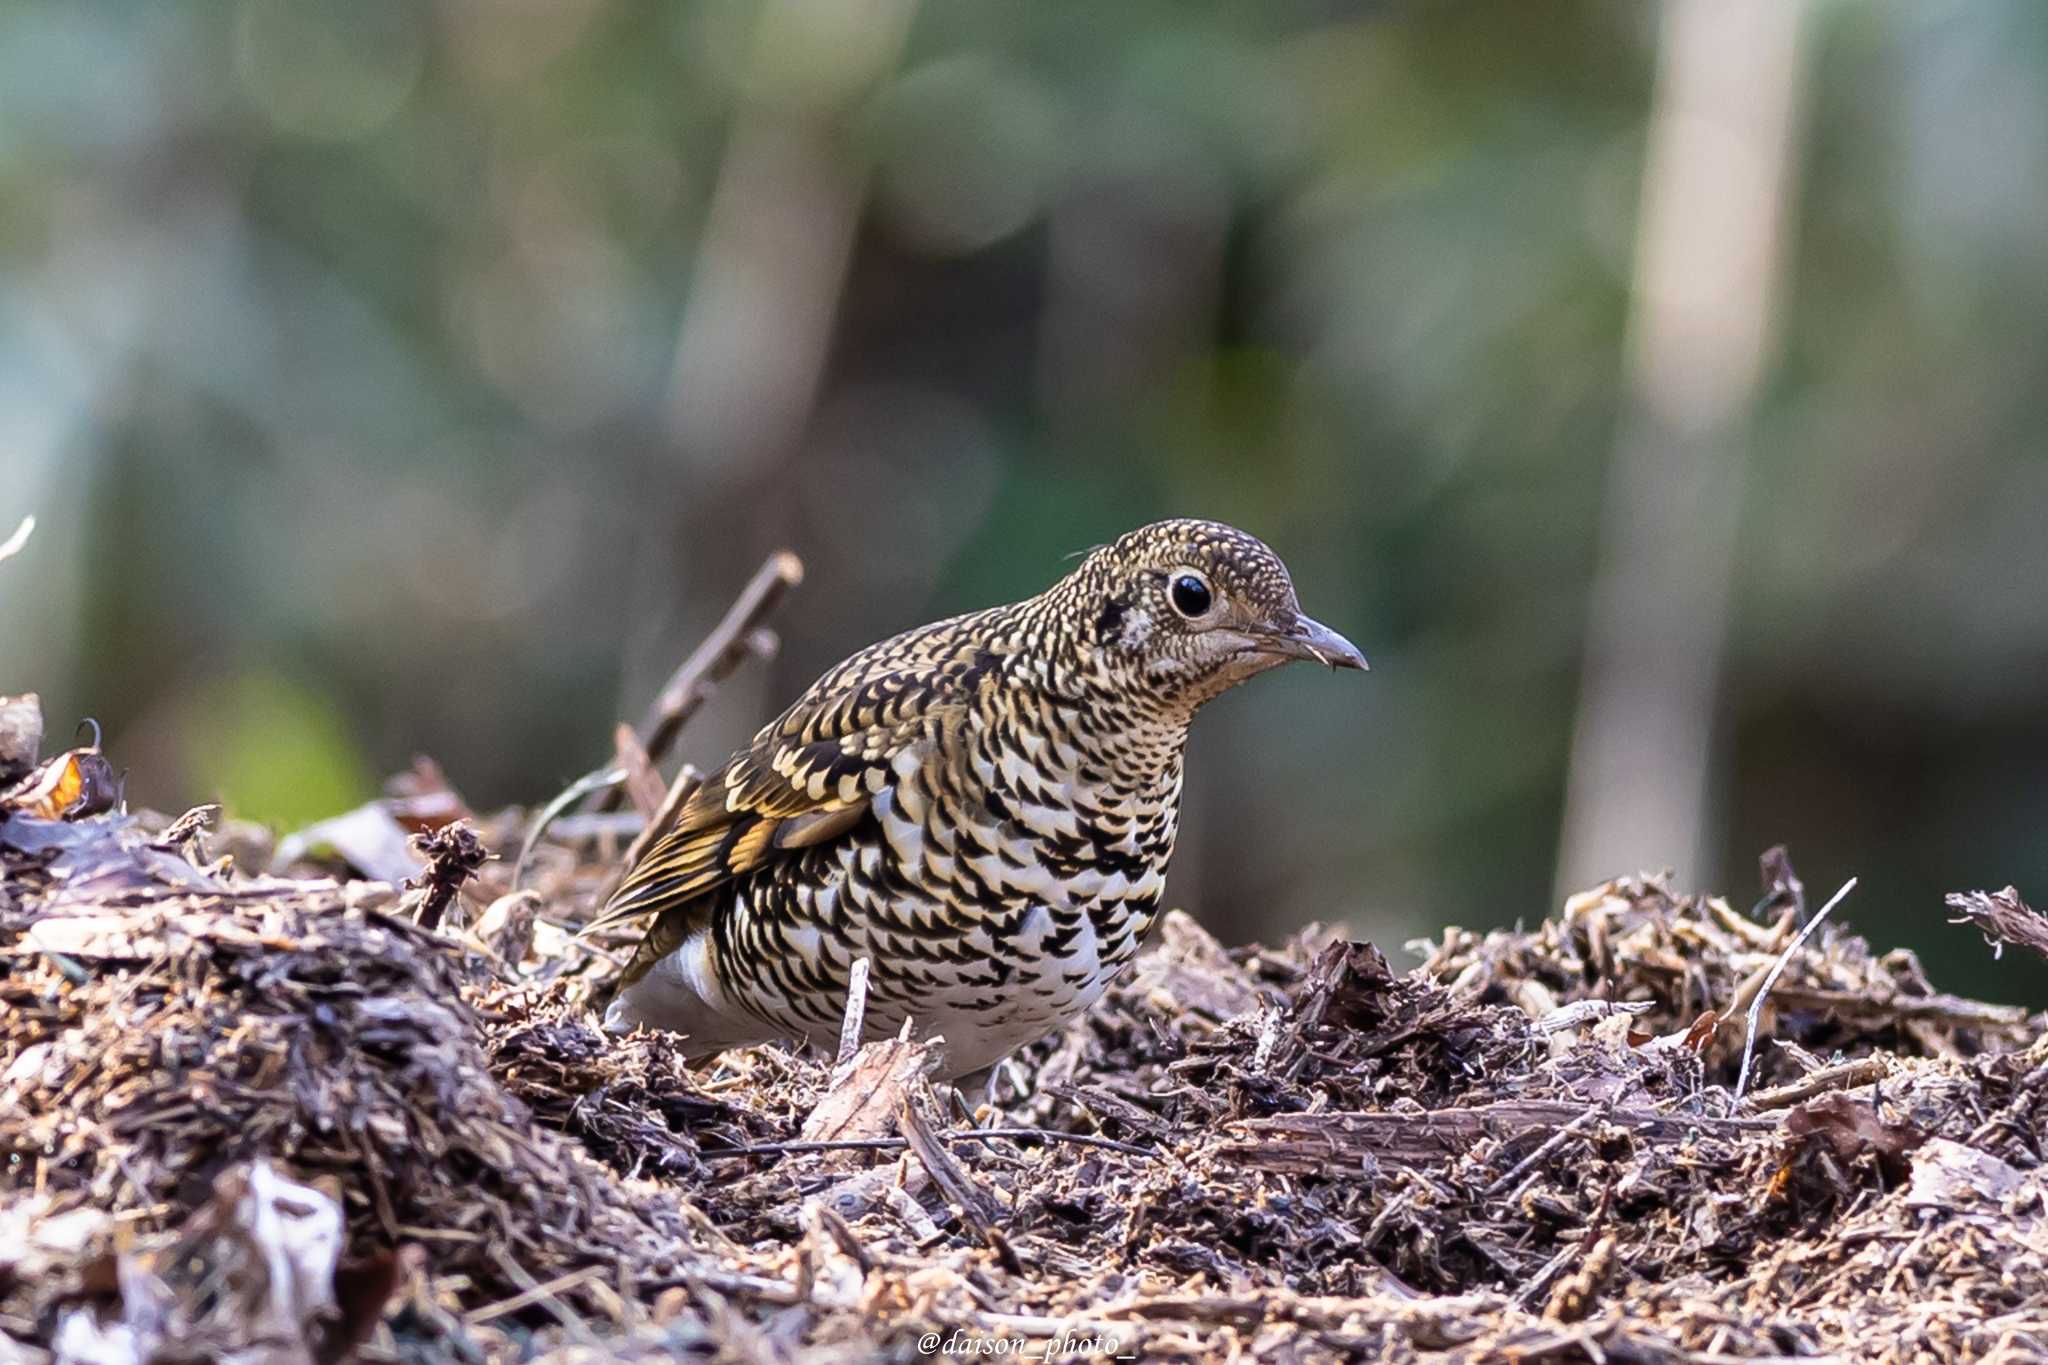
983	807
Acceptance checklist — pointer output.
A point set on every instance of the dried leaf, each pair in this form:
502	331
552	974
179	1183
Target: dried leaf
1782	888
1949	1175
421	798
505	929
369	839
1852	1128
73	785
250	1276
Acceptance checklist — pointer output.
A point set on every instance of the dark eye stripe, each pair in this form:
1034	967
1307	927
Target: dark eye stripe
1190	595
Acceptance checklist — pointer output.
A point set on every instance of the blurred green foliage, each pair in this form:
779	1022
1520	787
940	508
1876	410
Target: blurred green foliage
281	753
339	357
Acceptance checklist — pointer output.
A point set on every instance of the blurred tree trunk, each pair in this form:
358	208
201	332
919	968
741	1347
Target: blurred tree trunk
1722	142
757	329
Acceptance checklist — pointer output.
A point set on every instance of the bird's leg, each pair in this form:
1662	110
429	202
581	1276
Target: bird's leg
974	1094
970	1097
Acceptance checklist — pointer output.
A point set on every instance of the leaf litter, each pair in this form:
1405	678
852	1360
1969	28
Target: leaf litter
260	1104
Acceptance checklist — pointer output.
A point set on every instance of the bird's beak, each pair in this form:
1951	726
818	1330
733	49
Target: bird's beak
1308	639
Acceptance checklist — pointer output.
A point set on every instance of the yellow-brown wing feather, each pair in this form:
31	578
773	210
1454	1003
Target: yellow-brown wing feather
803	780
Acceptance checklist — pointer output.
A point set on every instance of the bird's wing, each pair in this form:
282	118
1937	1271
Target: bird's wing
805	779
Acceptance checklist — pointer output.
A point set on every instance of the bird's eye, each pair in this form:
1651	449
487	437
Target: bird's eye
1190	595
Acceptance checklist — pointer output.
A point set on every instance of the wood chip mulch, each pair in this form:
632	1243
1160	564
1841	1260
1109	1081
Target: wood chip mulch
273	1118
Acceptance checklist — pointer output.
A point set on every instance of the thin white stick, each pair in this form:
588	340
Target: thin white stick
1756	1006
12	545
856	1012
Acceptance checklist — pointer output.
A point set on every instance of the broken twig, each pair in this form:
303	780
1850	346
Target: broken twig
897	1144
856	1013
642	782
738	636
453	854
1846	1076
1549	1145
732	642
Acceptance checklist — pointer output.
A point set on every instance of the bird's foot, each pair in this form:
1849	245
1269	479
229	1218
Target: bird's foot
973	1098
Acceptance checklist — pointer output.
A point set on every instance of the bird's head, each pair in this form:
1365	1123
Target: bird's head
1189	609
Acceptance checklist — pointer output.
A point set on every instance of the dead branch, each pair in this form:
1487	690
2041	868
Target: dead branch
738	636
1847	1076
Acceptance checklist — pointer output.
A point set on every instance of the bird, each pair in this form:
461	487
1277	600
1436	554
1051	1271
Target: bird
983	807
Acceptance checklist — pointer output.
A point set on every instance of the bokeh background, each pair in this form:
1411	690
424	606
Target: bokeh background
1655	393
